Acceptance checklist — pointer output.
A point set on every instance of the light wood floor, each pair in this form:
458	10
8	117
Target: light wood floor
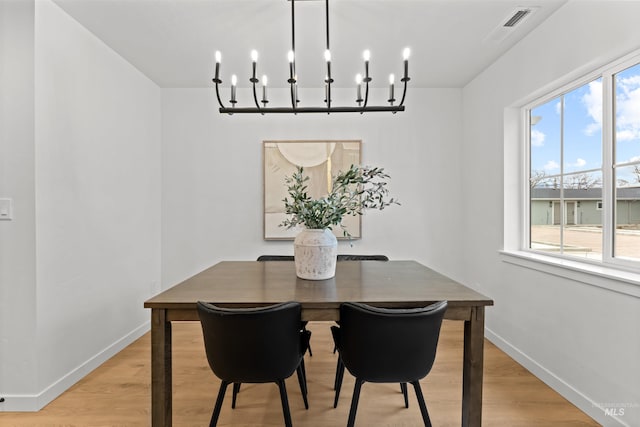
118	392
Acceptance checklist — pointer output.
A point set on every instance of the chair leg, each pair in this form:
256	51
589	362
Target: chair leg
218	407
302	380
423	406
354	402
338	381
304	372
236	389
403	387
285	403
304	328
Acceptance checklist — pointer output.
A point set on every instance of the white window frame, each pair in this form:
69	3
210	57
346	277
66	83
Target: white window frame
607	73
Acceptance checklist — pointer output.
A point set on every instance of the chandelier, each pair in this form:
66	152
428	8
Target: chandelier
362	102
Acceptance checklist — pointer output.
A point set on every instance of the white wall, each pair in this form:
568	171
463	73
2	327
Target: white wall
17	237
212	178
581	339
96	166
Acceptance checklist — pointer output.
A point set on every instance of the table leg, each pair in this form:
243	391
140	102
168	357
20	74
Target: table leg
160	369
472	369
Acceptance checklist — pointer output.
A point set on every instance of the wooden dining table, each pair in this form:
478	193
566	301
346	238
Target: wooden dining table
253	283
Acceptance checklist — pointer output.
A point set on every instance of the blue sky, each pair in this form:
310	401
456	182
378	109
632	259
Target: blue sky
583	128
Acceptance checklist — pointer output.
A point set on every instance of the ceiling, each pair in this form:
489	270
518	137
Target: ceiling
173	41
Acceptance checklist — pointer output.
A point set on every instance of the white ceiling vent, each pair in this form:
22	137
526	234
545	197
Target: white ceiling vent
509	24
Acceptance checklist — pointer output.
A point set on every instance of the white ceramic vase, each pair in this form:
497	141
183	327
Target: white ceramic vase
315	253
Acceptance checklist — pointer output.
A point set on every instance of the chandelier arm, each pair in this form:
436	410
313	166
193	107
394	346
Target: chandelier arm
255	96
405	80
293	96
366	95
217	82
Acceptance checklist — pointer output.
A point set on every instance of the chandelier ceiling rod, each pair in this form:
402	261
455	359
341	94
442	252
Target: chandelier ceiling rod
292	60
327	57
293	83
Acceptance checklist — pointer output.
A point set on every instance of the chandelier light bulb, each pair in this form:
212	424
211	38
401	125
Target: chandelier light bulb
359	88
264	89
326	88
327	55
234	81
218	57
406	53
291	70
366	55
392	79
254	60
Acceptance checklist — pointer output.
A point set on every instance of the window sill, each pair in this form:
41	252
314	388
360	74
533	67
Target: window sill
607	277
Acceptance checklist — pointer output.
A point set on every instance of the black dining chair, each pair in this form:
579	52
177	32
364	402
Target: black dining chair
255	345
385	345
275	258
285	258
349	257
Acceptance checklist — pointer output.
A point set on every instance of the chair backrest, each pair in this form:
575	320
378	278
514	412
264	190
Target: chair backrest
275	258
389	345
347	257
246	345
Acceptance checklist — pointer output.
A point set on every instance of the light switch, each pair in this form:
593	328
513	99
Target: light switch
6	209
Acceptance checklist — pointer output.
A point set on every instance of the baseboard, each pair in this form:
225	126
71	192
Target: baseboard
35	402
574	396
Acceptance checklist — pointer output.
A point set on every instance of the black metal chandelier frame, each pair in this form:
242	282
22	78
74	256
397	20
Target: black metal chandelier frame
362	106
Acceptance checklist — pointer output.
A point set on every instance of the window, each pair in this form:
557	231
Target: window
626	163
584	169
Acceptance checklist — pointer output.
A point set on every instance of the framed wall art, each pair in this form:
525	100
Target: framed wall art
321	160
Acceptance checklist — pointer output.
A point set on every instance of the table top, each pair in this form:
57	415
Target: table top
251	283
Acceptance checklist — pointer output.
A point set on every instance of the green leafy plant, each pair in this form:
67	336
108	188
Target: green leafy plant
352	191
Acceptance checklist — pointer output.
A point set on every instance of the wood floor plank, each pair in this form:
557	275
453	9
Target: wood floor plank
118	392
